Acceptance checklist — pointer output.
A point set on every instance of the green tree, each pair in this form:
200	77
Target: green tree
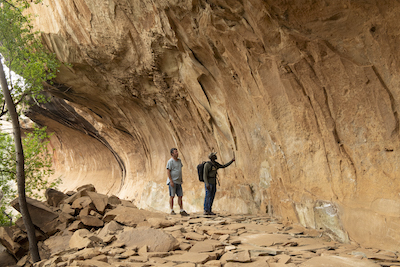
38	168
25	55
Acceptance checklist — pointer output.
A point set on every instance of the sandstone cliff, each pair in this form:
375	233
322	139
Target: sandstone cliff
304	93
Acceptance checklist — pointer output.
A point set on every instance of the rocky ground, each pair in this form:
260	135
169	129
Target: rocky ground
85	228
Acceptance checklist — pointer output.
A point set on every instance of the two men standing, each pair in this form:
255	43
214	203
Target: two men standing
174	181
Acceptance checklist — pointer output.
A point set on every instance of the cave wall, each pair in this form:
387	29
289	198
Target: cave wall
303	93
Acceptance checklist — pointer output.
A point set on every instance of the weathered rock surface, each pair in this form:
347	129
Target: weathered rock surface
226	240
6	259
212	252
54	197
155	240
305	94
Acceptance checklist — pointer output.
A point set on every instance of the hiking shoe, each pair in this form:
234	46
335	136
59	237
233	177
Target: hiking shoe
184	213
173	213
206	213
211	213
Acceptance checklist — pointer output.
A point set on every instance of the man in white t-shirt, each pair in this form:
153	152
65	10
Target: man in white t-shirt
174	181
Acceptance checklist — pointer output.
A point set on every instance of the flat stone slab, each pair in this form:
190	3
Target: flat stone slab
192	257
308	244
91	263
265	240
57	243
205	246
257	263
174	228
194	236
156	240
90	220
337	261
242	256
267	229
221	232
40	213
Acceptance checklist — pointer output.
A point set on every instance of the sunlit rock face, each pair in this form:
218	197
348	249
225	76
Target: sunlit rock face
304	93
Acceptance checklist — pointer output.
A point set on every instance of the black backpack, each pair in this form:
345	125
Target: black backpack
200	170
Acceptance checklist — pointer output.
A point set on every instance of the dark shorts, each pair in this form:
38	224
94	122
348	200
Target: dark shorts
176	190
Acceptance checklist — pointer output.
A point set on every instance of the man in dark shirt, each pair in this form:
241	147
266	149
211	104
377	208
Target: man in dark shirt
210	181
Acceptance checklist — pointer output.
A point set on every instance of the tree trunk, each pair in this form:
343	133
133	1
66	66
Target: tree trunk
33	247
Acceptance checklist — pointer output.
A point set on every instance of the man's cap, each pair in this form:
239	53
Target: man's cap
212	154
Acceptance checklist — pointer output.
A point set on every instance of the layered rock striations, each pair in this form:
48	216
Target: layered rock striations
303	93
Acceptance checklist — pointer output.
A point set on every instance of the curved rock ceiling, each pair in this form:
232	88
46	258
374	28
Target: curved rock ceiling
304	93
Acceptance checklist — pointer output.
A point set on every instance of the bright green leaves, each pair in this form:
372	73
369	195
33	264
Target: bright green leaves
38	166
23	51
38	163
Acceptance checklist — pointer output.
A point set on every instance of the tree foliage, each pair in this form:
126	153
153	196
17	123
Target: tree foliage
24	53
38	168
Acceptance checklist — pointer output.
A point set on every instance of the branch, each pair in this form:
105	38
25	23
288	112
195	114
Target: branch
8	172
3	110
22	98
9	217
10	4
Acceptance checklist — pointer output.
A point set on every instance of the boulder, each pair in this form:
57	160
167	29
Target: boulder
100	201
91	221
86	210
96	214
65	217
24	261
71	199
156	240
80	239
125	215
52	227
6	259
110	228
41	214
108	239
20	231
54	197
57	244
7	240
159	222
81	202
87	188
114	200
67	209
236	256
75	226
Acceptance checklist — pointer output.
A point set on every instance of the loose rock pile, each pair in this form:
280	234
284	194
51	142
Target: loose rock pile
85	228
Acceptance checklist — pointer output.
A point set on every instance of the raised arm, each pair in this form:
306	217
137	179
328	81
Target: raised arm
220	166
